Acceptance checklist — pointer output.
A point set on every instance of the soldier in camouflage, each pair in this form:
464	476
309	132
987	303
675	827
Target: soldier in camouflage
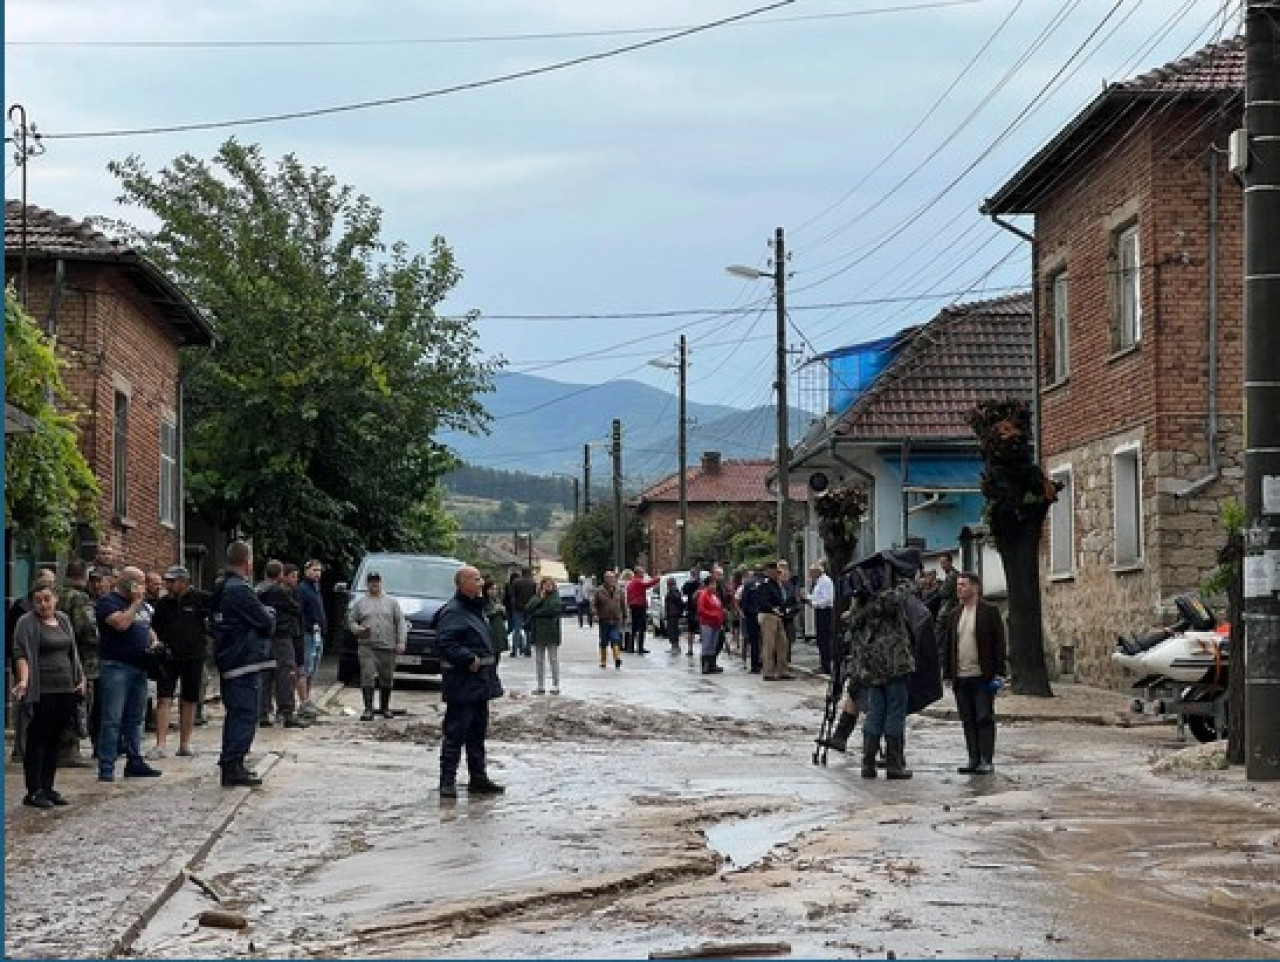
74	600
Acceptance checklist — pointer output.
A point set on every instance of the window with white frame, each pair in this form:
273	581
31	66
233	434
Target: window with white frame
120	456
1126	473
1062	526
1059	288
1128	288
168	473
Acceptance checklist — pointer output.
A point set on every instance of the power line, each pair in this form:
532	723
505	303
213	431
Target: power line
422	95
481	38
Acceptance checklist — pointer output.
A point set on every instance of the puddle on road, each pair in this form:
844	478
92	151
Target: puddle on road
745	841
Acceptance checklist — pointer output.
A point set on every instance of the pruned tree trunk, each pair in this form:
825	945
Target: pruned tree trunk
1019	550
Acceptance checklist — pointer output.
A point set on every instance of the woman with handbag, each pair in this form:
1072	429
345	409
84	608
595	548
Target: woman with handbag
50	680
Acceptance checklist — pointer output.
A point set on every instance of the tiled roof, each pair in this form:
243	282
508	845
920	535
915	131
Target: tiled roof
1215	72
1211	69
737	482
966	354
53	236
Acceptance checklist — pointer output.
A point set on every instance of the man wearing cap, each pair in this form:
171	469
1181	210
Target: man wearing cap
773	607
179	622
381	632
314	624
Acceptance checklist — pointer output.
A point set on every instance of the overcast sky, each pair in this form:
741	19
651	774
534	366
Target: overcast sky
870	130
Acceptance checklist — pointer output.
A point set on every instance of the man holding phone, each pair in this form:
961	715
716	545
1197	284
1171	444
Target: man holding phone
126	640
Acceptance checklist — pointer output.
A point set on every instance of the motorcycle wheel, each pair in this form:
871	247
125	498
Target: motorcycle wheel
1203	728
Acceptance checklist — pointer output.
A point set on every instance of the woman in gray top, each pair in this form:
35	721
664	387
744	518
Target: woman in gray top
49	680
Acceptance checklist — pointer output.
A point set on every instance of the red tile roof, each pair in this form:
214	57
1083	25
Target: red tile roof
737	482
1213	73
53	236
967	353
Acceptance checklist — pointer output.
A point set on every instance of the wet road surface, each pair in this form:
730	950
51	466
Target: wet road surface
653	808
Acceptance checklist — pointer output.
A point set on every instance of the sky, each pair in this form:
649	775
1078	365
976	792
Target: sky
593	207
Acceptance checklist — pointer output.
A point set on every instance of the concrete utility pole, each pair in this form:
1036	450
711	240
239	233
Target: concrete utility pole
784	445
682	520
1262	391
586	479
619	525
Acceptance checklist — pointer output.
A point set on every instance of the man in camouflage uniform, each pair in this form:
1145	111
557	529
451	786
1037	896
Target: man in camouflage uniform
74	600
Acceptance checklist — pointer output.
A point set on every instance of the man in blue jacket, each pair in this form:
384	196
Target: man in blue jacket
242	628
469	680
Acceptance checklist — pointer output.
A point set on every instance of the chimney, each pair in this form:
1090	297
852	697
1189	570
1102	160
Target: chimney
710	462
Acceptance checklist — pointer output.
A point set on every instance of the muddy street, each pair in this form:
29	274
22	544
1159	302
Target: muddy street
655	810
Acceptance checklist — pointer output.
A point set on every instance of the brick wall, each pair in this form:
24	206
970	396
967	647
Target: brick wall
1155	394
112	338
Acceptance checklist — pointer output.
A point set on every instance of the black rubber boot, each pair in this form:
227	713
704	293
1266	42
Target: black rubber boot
839	737
896	759
706	665
870	748
712	667
235	775
367	714
384	702
971	746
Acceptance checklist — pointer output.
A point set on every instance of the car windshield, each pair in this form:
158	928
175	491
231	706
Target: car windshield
426	577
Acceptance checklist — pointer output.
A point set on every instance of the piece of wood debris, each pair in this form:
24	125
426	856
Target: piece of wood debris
725	950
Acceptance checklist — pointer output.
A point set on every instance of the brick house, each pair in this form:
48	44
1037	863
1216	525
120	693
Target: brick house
712	484
1137	264
120	325
898	427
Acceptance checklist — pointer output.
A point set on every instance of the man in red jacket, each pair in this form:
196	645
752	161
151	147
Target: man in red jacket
975	666
638	604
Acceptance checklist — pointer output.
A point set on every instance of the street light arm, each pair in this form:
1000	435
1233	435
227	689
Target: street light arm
750	273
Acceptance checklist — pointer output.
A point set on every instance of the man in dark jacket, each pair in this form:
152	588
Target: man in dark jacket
975	659
314	624
522	591
280	684
242	628
469	680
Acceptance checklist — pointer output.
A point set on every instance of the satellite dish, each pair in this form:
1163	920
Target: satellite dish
818	482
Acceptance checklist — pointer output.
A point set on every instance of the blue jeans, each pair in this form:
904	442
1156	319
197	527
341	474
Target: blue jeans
240	699
312	652
885	709
519	636
122	690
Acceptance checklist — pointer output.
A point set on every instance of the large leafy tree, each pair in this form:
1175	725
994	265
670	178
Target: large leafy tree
587	547
48	485
311	424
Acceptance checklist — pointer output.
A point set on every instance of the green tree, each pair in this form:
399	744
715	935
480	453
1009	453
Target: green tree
48	485
587	547
537	516
506	512
311	424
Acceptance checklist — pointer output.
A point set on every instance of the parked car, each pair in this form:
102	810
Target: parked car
421	583
568	597
657	617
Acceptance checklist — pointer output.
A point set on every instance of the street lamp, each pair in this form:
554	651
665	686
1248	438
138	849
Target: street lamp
779	276
682	521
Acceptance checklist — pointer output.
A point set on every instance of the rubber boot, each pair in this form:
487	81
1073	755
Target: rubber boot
971	745
712	667
367	715
870	748
839	737
235	775
706	665
617	656
896	759
384	702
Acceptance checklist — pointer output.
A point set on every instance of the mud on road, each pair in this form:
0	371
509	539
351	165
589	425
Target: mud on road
636	824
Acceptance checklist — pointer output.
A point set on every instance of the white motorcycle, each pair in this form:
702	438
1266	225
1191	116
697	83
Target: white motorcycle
1182	669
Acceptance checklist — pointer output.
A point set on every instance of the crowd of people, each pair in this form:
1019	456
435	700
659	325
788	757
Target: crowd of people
84	652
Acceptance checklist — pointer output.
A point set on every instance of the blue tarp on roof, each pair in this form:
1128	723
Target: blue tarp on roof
851	370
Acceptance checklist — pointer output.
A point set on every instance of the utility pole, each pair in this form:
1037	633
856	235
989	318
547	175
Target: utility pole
619	528
1262	391
575	499
784	446
682	521
26	144
586	479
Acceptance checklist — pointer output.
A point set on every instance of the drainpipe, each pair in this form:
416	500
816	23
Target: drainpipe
55	298
1035	328
1211	426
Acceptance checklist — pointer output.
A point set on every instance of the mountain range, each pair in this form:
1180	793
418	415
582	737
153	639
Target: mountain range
540	426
